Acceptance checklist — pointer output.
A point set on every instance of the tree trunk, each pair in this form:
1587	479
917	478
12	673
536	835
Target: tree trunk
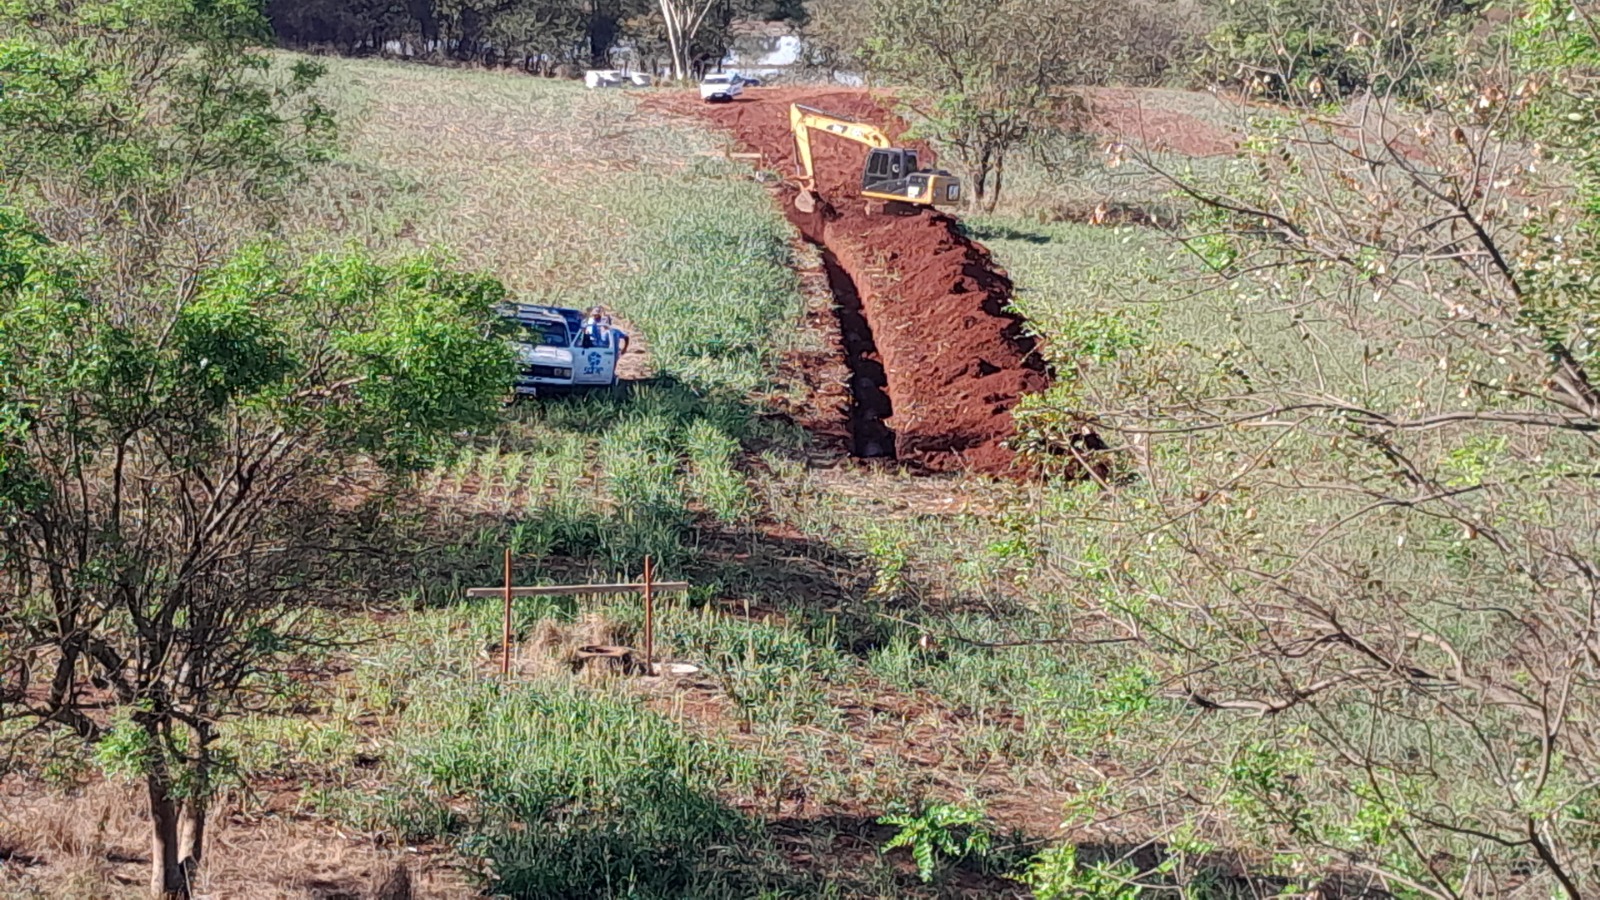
167	881
980	177
668	15
192	815
601	33
191	835
427	23
999	180
683	18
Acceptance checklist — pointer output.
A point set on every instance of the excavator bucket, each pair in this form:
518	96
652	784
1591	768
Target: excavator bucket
806	201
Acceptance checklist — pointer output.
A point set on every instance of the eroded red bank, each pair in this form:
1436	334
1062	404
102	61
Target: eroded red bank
955	361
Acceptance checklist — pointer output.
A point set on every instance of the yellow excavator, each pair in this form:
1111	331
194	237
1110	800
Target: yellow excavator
890	175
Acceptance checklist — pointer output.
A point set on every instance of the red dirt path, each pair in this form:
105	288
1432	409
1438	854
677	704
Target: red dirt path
955	361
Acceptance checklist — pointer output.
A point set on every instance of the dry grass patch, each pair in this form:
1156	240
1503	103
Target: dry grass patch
508	173
92	842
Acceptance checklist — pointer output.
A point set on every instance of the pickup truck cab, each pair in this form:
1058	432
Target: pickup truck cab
720	87
553	356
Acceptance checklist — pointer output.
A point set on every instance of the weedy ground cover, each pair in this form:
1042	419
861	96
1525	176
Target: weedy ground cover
546	788
1144	332
846	583
873	645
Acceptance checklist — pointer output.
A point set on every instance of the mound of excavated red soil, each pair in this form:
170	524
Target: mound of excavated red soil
955	362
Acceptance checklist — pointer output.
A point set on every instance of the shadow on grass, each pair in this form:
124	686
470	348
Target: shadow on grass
432	546
814	585
593	827
836	856
597	412
1004	233
846	850
1219	875
577	823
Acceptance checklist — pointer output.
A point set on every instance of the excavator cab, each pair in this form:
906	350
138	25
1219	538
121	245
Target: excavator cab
892	174
888	166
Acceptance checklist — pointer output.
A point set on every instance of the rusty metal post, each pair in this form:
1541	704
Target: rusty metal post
649	618
505	626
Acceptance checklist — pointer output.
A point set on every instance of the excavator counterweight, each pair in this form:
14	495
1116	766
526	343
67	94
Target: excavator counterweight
891	173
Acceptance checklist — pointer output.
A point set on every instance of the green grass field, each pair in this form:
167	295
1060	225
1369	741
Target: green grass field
870	643
815	591
550	789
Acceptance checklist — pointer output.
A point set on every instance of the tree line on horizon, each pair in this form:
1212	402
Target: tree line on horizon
1268	46
545	37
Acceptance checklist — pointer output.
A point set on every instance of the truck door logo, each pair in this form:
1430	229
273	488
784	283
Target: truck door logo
594	365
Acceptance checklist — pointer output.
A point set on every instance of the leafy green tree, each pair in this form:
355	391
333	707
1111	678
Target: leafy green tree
133	100
497	30
1557	57
183	410
178	470
539	34
1322	50
543	33
150	130
834	33
352	26
991	79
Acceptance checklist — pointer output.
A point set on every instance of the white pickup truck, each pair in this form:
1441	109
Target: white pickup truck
553	356
721	87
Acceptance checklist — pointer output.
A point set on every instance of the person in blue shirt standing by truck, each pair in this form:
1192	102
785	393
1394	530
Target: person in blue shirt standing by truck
619	338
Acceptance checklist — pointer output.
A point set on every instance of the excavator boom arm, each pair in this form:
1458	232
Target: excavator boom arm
803	118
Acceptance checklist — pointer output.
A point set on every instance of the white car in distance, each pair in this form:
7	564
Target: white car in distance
720	87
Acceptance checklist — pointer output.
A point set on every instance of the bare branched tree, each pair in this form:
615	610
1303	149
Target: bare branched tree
993	80
1362	503
683	20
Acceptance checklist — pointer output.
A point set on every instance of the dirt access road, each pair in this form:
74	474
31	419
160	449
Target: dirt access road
936	362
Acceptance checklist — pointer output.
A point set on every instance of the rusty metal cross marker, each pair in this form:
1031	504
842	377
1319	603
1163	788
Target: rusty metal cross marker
649	587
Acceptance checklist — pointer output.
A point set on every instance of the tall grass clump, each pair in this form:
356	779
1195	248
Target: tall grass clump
710	279
690	253
569	791
775	672
712	477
